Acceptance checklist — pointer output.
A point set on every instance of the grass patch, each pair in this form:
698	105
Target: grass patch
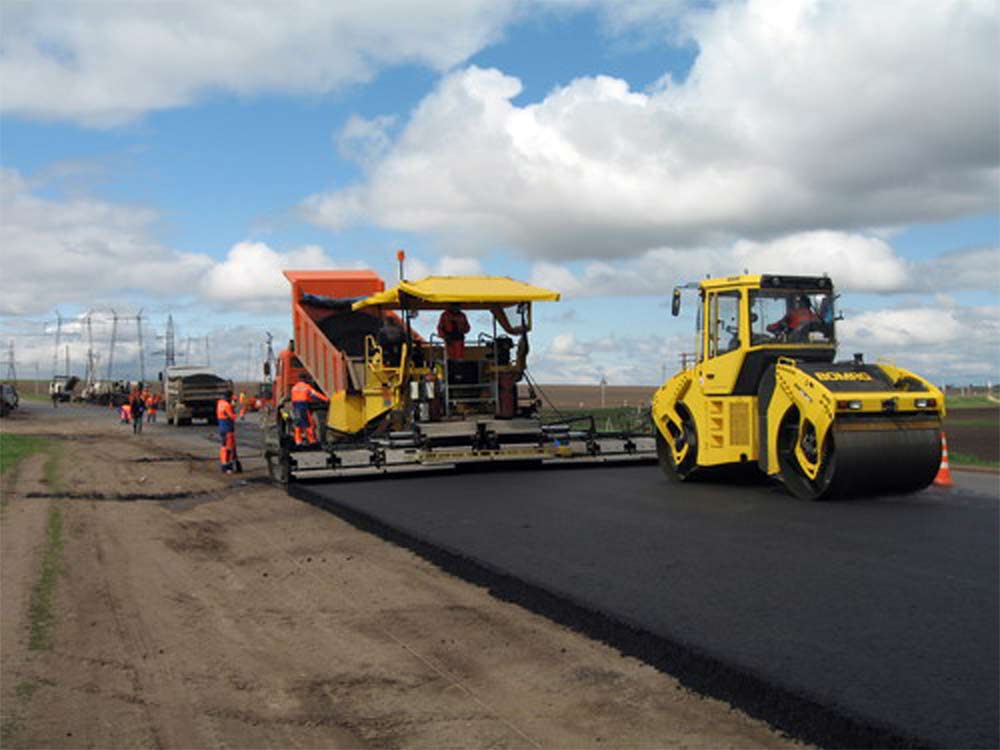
15	447
969	402
8	728
970	460
50	471
25	690
30	396
41	610
609	419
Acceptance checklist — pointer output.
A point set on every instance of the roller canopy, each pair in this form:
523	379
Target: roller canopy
467	291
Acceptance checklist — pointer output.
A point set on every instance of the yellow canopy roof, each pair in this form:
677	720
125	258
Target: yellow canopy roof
468	291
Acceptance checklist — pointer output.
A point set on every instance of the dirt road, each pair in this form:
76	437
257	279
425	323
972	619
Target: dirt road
203	612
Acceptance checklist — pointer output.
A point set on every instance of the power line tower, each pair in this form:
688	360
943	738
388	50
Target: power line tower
142	354
269	360
55	352
169	343
11	362
91	364
114	337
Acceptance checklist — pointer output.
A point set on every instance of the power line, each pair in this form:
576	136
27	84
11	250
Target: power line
11	362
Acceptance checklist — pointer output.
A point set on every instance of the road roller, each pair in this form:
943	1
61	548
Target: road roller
765	388
422	376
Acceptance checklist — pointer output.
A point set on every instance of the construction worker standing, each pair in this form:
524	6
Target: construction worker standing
452	327
226	418
136	408
302	394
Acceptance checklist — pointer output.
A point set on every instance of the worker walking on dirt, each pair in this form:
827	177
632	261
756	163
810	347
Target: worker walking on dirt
136	409
452	327
302	394
226	417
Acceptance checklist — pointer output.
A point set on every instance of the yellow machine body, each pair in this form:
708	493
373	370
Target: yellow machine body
761	391
399	401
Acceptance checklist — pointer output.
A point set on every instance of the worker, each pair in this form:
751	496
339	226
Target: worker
302	394
136	409
452	327
125	412
151	408
226	418
798	312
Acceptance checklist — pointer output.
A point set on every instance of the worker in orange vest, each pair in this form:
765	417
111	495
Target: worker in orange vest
226	418
302	394
452	327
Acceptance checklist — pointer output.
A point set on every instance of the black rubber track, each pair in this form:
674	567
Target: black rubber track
865	623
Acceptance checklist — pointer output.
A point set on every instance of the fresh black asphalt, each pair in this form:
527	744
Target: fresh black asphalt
863	622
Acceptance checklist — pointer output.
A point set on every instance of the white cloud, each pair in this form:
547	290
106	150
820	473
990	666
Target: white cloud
856	263
251	274
81	250
105	64
445	266
365	141
947	342
87	252
796	115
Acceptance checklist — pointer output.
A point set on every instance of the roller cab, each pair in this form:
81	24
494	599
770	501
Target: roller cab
766	390
410	392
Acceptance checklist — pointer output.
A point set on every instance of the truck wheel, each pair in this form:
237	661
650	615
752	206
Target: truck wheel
679	472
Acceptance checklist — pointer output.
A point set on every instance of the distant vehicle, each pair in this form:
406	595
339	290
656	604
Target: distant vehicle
8	399
105	392
61	387
190	392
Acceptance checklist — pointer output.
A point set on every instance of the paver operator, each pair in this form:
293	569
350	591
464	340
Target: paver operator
452	327
302	394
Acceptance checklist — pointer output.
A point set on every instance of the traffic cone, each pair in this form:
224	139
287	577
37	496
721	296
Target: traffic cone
943	478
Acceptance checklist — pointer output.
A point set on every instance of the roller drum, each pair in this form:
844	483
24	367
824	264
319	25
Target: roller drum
870	458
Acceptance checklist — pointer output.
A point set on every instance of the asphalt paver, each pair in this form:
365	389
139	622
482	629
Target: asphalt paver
881	613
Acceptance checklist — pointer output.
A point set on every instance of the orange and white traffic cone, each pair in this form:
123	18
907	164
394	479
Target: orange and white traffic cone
943	478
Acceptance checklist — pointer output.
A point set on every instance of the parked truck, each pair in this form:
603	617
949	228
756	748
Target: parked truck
190	392
106	392
61	387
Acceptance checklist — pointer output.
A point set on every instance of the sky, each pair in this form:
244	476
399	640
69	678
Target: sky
172	158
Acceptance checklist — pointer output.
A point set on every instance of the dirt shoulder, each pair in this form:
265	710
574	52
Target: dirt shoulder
238	617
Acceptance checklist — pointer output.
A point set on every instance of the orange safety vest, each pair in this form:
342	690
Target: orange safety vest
224	410
302	391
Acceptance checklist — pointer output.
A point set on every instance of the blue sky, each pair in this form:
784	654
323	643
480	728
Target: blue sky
606	148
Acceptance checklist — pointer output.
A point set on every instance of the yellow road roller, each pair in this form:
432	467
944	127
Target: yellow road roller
765	388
